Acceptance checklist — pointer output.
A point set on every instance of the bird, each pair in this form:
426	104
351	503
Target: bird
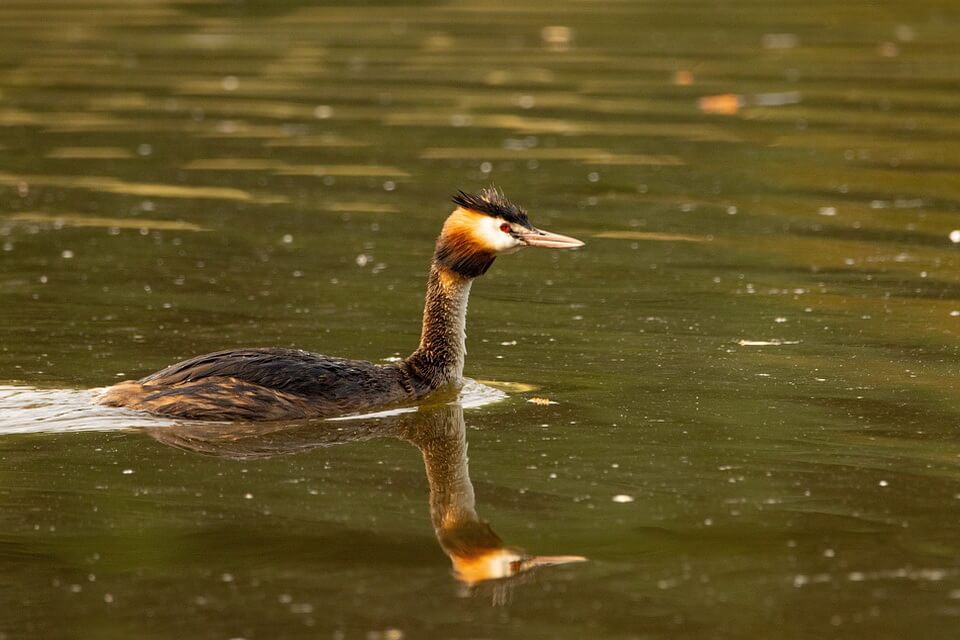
259	384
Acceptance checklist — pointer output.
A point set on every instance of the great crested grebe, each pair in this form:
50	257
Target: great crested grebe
278	384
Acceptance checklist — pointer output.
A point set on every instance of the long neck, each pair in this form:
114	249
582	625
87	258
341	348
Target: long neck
439	358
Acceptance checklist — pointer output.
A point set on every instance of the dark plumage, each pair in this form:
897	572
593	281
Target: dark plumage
493	203
274	384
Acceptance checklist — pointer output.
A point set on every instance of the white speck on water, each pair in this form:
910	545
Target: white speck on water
622	498
389	185
955	236
732	210
127	472
508	343
780	320
593	176
362	260
230	83
248	496
67	254
322	112
955	313
145	149
827	211
884	483
486	167
227	577
287	238
765	343
108	598
829	553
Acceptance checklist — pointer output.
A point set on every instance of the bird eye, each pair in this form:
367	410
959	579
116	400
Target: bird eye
505	227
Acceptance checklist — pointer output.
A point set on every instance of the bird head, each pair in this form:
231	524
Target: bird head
486	225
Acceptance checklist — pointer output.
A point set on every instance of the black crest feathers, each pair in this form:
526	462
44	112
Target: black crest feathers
492	203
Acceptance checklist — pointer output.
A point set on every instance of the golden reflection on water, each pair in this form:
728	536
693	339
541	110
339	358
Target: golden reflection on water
81	220
90	153
477	553
586	155
651	235
106	184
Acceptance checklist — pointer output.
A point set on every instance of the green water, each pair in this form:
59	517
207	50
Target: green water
756	352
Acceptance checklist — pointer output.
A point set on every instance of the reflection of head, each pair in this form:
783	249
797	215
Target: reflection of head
476	551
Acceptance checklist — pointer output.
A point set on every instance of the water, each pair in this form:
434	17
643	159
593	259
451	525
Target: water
753	359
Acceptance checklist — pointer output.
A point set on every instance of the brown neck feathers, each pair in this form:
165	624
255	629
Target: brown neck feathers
439	358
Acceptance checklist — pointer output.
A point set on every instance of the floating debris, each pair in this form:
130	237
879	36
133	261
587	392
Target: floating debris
557	37
765	343
682	78
729	104
725	104
622	498
541	401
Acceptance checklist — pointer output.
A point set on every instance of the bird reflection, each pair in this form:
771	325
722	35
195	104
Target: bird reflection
478	554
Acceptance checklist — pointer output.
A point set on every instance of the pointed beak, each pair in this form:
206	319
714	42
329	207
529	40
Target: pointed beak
547	561
541	238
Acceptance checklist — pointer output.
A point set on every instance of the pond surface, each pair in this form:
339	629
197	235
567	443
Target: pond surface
756	428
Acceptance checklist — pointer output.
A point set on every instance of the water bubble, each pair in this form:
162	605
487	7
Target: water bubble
955	236
622	498
322	112
230	83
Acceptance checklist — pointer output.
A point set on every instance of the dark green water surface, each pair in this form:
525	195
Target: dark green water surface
754	360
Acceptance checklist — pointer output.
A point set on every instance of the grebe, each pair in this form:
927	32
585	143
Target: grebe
278	384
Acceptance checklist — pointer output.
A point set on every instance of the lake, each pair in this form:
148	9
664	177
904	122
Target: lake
739	401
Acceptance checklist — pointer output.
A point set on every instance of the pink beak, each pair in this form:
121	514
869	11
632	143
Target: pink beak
541	238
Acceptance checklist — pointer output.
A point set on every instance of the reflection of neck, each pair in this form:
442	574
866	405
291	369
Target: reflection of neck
451	493
441	436
439	358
